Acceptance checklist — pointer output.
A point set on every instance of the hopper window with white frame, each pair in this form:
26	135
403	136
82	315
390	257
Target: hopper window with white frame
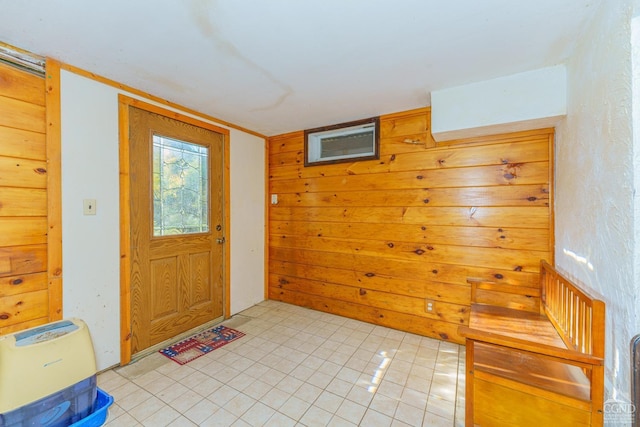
342	143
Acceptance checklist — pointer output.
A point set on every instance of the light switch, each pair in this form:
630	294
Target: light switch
274	199
89	206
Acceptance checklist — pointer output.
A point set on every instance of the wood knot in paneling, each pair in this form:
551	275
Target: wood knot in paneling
512	171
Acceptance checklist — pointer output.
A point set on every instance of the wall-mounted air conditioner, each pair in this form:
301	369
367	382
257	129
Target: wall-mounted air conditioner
344	142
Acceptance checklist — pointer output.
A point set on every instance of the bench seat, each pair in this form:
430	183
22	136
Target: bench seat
509	322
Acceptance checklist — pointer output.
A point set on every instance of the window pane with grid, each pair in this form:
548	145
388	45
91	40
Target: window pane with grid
180	187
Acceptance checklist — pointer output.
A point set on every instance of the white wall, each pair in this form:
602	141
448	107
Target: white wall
595	182
248	229
530	100
90	244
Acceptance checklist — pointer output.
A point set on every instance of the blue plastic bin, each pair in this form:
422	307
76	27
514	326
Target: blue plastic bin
60	409
99	414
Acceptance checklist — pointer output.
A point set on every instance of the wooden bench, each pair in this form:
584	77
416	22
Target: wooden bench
535	368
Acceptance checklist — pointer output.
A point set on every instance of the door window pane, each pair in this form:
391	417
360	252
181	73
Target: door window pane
180	187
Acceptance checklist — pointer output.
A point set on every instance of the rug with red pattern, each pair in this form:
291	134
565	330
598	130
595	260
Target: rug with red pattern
200	344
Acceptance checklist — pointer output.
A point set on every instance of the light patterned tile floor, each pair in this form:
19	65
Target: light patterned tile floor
296	367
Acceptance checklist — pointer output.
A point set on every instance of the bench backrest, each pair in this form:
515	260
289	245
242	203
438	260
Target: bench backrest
578	317
504	295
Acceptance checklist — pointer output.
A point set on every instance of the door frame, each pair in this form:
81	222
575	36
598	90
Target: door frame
124	102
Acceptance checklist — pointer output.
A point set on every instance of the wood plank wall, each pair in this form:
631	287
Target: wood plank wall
23	201
379	240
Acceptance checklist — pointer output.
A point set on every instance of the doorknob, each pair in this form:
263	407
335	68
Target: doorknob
220	240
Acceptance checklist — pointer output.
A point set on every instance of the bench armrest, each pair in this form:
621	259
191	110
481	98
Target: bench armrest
562	354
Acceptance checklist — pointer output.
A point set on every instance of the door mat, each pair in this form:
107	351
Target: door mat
200	344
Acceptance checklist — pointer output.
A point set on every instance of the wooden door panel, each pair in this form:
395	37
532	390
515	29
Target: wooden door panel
179	246
171	326
200	283
164	287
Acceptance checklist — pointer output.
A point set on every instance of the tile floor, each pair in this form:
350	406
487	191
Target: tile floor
296	367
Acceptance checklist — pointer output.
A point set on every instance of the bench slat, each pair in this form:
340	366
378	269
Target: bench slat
514	323
528	369
577	315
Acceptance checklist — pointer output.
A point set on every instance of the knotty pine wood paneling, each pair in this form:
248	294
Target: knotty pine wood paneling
375	240
24	289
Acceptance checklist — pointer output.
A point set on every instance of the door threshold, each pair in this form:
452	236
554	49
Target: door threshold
173	340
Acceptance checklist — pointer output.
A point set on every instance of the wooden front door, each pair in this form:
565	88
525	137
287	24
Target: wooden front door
177	227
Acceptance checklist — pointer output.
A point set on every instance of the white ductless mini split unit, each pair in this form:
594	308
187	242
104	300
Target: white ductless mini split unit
343	142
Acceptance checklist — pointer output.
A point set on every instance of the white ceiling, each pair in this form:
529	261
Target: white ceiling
275	66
